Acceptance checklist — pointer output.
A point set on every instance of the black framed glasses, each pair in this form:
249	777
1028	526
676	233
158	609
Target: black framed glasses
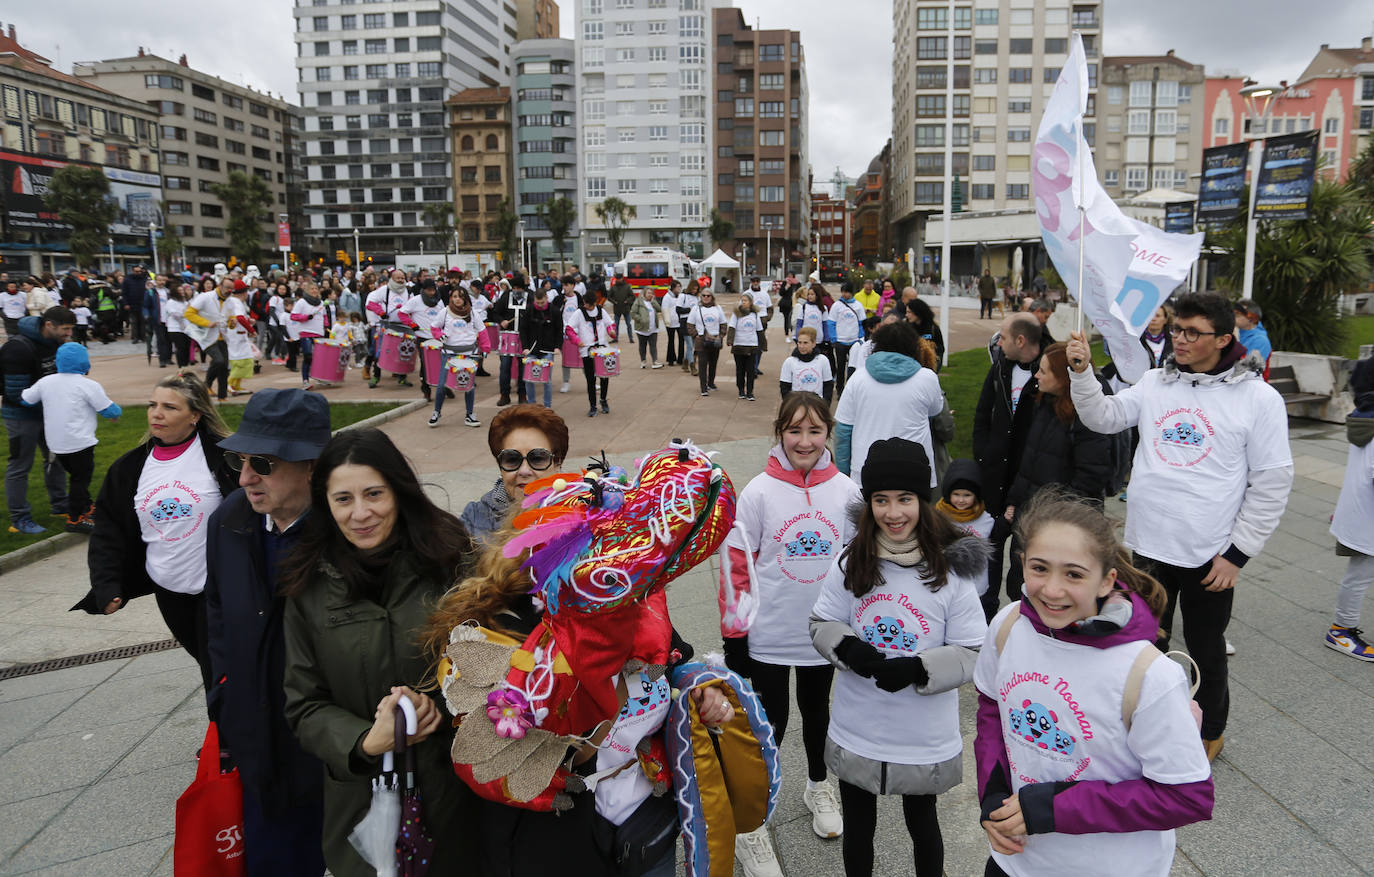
510	459
257	462
1189	334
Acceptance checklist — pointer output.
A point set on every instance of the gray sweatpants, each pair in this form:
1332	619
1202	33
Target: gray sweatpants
1359	574
26	436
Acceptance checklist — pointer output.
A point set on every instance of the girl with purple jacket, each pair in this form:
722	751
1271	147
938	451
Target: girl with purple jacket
1070	774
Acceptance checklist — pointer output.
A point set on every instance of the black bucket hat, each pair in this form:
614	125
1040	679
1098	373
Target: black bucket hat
290	425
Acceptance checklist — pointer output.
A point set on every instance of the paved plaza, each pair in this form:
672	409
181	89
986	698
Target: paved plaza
92	758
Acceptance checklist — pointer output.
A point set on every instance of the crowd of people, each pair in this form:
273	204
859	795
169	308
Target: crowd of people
317	585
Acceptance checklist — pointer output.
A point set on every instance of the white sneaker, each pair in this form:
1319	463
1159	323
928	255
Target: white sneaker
754	852
1230	649
564	388
826	819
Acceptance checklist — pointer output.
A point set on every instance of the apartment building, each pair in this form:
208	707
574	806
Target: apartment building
1007	56
536	19
208	128
49	119
1150	124
1320	103
546	141
373	80
480	121
644	78
1356	63
760	165
831	224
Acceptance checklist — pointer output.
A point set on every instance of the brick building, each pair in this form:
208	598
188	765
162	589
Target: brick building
480	121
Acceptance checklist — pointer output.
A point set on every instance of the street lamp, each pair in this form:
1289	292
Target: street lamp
1259	104
152	247
357	251
522	243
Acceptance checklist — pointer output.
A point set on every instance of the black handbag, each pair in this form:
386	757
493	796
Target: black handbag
642	840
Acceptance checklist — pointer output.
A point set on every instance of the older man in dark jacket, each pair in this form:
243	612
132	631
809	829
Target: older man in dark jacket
250	533
1000	424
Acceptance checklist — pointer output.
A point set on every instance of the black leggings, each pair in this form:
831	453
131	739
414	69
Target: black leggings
185	618
744	373
707	358
813	702
589	369
861	820
841	366
675	336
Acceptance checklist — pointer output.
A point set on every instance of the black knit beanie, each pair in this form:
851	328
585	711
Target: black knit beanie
896	464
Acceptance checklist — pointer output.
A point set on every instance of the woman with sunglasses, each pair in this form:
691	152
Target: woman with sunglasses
150	516
373	557
528	441
706	324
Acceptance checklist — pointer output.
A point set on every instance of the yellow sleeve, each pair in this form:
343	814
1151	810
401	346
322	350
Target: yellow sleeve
197	318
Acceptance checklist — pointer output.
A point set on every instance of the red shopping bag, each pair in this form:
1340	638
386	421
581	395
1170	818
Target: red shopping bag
209	827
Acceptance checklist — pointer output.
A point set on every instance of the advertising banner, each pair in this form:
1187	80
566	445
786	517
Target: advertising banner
1178	218
283	235
1223	178
24	181
1285	176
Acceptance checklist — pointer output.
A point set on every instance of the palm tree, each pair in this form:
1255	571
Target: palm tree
720	230
615	214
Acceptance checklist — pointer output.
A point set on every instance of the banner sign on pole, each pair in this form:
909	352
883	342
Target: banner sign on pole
1223	178
1129	267
284	236
1178	218
1286	174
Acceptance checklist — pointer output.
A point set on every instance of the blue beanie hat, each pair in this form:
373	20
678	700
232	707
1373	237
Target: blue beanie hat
72	359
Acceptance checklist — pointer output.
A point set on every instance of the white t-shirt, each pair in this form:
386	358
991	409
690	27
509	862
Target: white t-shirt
313	325
811	316
452	330
14	306
176	315
70	403
901	617
846	315
795	534
424	315
707	321
591	329
644	713
83	316
881	411
747	329
669	305
276	310
1060	710
208	306
235	335
763	302
806	377
173	503
1353	523
1198	444
858	353
1020	376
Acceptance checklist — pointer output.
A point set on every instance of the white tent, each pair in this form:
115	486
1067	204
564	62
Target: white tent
1160	196
717	262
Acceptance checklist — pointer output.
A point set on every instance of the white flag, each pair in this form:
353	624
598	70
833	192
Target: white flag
1129	267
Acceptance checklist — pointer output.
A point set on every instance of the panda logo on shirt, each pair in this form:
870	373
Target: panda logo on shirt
1039	725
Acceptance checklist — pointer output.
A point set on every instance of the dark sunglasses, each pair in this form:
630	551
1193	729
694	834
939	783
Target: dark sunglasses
510	459
259	464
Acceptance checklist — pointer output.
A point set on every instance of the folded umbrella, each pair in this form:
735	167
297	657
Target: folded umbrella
375	836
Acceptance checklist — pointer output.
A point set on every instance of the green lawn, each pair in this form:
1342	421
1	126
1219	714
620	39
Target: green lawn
117	437
1358	330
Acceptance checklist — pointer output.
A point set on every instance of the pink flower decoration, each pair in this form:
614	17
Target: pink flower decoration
510	712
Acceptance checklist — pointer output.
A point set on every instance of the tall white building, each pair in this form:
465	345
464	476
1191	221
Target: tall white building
373	78
644	72
1007	57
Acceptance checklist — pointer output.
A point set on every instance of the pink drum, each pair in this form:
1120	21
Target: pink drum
431	351
606	361
397	352
510	344
538	369
461	373
329	361
572	356
492	332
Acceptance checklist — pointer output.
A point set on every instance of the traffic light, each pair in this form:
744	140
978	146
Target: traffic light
342	256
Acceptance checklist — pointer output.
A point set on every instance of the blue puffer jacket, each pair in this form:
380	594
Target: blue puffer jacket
23	360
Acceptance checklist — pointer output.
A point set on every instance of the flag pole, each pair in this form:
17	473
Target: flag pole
1082	216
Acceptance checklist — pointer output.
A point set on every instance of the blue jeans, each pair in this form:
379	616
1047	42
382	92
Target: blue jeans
468	397
531	387
307	357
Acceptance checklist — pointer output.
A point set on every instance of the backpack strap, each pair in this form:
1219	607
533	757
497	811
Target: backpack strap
1135	679
1007	624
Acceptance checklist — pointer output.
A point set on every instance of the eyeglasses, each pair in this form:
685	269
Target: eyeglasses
1190	334
257	462
510	459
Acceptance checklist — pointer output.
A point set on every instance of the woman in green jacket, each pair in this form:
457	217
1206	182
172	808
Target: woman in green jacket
645	316
375	556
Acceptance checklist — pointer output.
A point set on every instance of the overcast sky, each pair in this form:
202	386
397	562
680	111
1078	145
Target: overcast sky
848	46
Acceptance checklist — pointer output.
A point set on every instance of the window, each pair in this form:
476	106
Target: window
1221	126
350	47
428	69
593	7
658	108
930	48
1180	179
1018	135
594	56
1140	93
594	109
374	21
593	30
985	162
207	164
595	137
928	18
689	26
1111	178
984	74
1366	117
1018	106
1018	191
170	132
685	54
1019	74
929	193
1164	178
930	106
658	54
689	80
985	47
624	108
205	116
691	211
1138	122
1332	126
770	138
1135	178
402	72
770	109
744	192
772	194
1056	46
658	27
1166	122
1020	46
626	187
596	187
693	132
930	135
771	82
374	47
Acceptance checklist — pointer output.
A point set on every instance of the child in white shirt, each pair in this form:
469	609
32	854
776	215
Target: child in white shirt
70	403
806	371
83	320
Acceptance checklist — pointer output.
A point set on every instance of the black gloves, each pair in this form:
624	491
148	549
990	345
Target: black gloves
859	656
890	674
